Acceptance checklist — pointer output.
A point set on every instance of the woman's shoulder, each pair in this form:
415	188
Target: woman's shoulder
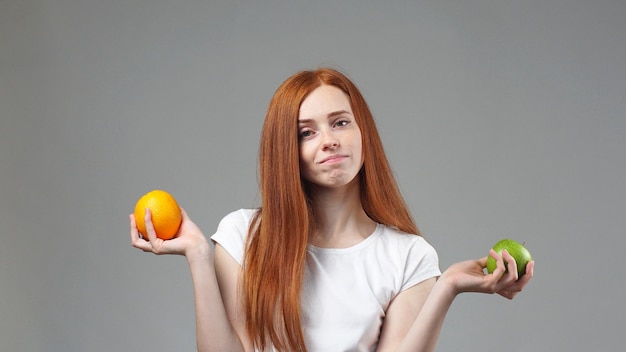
394	235
416	256
410	244
236	222
232	232
239	216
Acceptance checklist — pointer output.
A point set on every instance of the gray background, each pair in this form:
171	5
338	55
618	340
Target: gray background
501	119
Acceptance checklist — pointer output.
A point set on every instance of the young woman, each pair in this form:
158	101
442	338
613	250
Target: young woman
332	260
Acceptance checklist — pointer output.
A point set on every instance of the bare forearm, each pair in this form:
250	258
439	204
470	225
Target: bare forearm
424	332
213	329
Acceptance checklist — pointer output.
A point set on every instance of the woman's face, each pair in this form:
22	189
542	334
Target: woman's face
329	138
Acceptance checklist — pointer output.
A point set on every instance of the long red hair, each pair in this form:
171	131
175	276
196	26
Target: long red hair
276	250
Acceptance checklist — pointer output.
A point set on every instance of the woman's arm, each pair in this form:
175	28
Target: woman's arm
428	302
214	331
402	313
229	276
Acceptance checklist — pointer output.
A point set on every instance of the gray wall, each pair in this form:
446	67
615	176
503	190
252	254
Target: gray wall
501	118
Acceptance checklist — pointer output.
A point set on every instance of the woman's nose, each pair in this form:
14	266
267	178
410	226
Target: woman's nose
330	141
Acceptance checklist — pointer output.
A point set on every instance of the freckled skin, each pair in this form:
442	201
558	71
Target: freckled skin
330	139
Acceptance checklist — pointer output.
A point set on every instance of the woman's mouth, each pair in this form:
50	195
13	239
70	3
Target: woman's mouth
333	159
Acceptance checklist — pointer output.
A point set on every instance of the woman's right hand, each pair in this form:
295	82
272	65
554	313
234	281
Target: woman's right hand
189	239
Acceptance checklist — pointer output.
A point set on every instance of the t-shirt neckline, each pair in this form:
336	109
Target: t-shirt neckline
356	247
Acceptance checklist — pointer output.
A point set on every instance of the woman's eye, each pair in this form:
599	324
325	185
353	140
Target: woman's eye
306	133
342	123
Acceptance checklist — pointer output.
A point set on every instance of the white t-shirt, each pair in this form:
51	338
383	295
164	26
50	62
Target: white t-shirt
346	291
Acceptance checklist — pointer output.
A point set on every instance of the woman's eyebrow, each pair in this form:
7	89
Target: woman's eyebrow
338	112
331	114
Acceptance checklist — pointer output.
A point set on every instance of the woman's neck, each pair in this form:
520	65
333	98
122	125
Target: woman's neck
340	220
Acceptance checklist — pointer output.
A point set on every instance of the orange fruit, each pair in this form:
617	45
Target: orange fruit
166	214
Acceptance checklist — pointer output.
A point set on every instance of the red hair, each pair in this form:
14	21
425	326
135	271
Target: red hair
279	233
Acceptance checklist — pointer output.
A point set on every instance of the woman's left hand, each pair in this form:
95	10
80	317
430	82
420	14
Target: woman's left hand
469	276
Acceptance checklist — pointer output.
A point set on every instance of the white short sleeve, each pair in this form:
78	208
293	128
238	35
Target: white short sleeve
422	263
232	232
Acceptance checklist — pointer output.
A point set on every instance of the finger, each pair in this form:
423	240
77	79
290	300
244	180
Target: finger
150	232
504	285
134	235
135	240
530	267
517	286
184	213
530	271
511	291
483	262
508	294
500	268
156	244
185	220
511	264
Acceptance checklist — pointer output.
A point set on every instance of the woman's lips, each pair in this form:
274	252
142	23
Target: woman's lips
333	159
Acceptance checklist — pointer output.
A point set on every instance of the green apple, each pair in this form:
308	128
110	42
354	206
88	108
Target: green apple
516	250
